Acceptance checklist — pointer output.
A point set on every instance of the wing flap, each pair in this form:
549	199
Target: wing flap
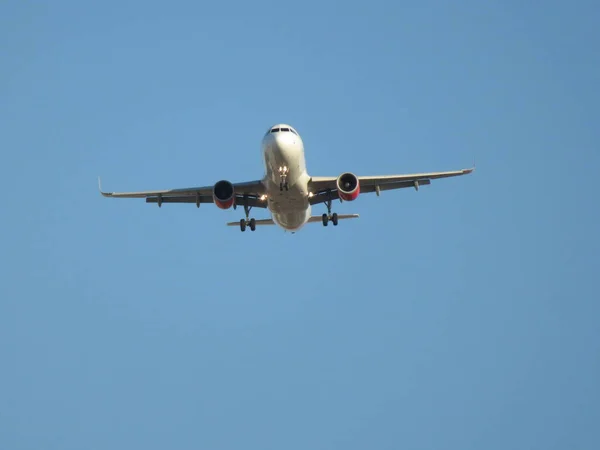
393	185
188	199
253	202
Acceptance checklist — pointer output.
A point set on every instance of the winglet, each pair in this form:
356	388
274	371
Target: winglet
105	194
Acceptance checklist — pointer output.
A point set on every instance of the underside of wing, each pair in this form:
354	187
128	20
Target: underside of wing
347	186
223	193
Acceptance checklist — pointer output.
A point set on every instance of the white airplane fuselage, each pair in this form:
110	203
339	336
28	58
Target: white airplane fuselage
284	152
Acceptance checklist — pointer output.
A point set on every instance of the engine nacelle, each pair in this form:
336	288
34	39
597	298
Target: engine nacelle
223	194
348	186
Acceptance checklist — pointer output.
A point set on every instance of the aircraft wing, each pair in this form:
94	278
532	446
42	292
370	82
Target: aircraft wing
250	191
324	188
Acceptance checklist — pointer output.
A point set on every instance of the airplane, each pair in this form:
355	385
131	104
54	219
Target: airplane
286	189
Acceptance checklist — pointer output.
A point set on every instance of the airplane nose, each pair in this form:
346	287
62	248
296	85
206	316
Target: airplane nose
279	139
283	139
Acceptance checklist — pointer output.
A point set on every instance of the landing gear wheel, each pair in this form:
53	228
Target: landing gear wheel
325	220
243	225
334	219
252	224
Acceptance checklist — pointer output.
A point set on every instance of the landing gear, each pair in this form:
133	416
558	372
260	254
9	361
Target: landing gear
283	173
247	221
326	217
251	223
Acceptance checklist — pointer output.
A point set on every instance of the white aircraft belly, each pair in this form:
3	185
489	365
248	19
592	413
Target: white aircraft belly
290	208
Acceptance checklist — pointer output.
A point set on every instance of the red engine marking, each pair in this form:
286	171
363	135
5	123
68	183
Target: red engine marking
224	205
350	196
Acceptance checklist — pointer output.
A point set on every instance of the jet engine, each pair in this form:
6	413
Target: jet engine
348	186
223	194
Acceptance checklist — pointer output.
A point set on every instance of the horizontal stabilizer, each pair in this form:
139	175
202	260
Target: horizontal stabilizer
340	217
258	222
312	219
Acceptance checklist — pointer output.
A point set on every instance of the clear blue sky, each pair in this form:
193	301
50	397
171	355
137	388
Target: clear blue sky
463	316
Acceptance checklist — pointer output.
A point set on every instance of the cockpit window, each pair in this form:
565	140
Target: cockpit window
282	130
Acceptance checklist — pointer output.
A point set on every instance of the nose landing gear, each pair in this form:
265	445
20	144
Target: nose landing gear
283	173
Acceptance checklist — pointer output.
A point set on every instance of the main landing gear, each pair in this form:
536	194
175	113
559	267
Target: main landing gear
327	217
283	173
247	221
333	217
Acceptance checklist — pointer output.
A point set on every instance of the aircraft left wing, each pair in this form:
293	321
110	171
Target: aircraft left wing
249	192
325	188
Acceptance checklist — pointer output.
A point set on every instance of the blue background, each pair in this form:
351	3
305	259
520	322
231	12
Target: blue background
462	316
